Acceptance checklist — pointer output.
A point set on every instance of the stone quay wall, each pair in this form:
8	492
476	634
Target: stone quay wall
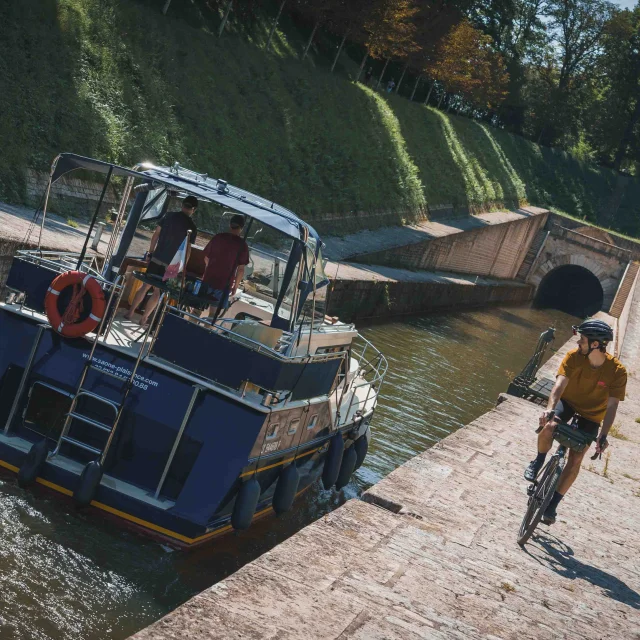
372	299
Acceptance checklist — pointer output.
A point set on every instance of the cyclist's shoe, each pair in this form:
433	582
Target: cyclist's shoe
531	472
549	516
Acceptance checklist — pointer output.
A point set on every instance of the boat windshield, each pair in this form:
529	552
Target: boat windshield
266	274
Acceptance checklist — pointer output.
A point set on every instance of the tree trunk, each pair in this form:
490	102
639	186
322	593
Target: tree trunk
426	100
441	97
360	70
415	87
335	60
382	74
275	24
540	135
626	137
406	66
225	18
166	7
310	41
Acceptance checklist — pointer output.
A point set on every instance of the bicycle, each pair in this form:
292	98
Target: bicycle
541	490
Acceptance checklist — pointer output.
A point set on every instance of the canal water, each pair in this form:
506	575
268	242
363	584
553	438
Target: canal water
65	574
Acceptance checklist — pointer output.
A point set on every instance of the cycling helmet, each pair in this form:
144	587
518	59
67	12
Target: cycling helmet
595	330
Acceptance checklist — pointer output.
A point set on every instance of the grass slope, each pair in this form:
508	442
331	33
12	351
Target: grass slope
117	80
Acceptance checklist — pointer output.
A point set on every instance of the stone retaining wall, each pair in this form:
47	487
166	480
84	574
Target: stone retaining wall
353	300
496	251
8	249
71	195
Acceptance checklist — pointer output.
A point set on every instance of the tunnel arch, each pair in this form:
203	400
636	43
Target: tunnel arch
571	288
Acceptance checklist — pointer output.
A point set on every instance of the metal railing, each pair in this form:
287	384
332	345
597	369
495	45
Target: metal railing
371	371
62	261
521	383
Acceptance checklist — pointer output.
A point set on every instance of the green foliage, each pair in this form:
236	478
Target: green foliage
117	80
582	150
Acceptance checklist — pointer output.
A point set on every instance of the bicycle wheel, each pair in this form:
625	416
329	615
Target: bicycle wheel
540	499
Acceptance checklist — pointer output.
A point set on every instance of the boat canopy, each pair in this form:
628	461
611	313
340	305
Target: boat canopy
303	273
202	186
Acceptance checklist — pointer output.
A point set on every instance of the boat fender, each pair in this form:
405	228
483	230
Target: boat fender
347	467
64	323
33	463
88	483
361	445
286	489
332	461
246	504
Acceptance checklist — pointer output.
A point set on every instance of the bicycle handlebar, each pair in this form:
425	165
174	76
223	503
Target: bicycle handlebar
595	455
599	455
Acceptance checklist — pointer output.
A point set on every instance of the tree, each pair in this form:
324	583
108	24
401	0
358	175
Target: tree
390	31
346	17
563	70
225	17
518	30
275	24
617	114
468	66
578	28
318	11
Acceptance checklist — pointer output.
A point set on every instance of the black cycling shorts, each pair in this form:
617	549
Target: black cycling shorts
565	412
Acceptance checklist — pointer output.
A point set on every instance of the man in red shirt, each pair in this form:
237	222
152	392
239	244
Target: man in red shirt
225	258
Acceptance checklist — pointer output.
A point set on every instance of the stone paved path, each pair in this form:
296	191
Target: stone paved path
362	242
431	552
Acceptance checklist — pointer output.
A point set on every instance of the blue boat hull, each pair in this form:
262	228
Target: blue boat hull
224	441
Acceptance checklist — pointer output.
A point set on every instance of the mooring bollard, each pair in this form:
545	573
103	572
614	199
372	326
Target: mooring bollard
97	235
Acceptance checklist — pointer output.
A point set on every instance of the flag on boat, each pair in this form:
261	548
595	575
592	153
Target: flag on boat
177	263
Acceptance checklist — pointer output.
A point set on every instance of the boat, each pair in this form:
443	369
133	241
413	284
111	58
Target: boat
192	426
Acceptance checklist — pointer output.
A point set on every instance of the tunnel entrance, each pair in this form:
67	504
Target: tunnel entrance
570	288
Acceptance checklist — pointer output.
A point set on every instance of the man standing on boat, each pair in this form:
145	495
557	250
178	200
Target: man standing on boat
165	241
225	258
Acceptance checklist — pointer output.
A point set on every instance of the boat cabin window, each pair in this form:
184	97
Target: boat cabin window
273	431
154	207
293	426
313	421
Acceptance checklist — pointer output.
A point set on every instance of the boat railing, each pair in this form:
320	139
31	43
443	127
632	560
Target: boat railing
371	370
62	261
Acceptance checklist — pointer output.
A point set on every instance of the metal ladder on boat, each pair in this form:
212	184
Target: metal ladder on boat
81	392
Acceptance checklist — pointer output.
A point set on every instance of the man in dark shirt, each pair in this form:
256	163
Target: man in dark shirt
165	242
225	258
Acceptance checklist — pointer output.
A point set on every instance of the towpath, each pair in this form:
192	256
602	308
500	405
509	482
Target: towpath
431	550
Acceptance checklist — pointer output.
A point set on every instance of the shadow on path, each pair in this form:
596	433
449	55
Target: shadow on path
560	558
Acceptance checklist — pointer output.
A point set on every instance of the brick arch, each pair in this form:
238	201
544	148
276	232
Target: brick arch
609	278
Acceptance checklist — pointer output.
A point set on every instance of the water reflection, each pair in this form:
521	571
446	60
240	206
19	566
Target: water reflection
67	574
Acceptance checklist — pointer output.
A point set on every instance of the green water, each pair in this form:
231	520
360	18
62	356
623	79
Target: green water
66	574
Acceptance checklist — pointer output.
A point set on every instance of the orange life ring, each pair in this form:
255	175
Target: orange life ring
65	323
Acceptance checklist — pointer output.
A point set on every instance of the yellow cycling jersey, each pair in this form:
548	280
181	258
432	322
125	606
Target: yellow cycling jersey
590	388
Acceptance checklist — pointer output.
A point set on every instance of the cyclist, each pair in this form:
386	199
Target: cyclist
590	383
